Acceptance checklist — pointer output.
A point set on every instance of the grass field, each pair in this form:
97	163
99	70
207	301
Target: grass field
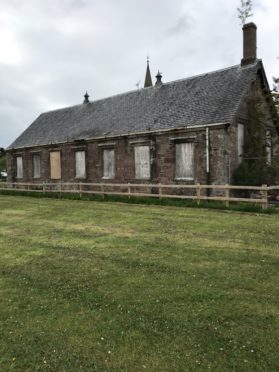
91	286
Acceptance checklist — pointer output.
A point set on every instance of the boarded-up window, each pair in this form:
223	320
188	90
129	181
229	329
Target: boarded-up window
108	163
184	161
268	147
142	162
80	164
19	167
36	159
55	165
240	142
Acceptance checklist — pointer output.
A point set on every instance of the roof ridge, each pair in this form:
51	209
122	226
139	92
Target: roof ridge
154	87
215	71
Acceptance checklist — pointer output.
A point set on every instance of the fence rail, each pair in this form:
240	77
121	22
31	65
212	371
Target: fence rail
225	193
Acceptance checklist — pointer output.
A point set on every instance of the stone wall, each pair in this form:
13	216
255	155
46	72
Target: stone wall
162	158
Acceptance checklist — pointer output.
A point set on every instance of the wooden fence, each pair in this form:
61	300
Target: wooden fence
225	193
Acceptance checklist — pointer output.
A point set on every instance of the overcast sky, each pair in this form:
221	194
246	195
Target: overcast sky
52	51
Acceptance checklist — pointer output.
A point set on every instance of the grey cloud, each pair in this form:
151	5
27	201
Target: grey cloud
183	24
69	46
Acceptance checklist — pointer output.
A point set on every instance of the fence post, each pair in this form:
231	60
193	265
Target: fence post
60	188
80	190
129	190
198	192
103	190
227	195
160	191
264	197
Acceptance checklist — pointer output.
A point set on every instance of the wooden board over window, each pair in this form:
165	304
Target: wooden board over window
80	164
55	165
36	160
142	162
108	163
268	147
240	142
184	161
19	167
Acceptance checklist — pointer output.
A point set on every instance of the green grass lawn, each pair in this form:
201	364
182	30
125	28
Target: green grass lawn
91	286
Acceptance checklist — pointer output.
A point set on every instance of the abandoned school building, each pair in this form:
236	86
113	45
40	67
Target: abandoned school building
191	130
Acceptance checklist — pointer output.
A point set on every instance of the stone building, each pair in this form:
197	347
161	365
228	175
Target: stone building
192	130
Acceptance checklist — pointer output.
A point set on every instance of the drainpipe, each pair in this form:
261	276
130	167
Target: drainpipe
207	160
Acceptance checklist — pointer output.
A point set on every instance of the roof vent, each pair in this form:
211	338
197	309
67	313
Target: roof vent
159	79
86	98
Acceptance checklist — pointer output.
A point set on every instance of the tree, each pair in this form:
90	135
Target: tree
275	93
245	10
2	159
255	168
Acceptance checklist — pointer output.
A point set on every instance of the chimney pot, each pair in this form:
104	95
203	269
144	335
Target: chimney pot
159	79
249	44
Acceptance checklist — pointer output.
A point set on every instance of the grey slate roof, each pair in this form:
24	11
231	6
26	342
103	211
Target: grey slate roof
199	100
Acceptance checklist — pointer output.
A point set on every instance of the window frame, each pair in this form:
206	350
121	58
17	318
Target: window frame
268	147
108	177
240	146
33	166
81	177
181	143
136	148
50	163
17	166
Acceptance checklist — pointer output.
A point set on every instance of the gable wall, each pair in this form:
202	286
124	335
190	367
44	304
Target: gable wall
255	95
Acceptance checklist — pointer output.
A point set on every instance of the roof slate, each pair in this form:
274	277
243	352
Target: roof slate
200	100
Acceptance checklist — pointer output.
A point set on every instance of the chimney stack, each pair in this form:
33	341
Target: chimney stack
249	44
